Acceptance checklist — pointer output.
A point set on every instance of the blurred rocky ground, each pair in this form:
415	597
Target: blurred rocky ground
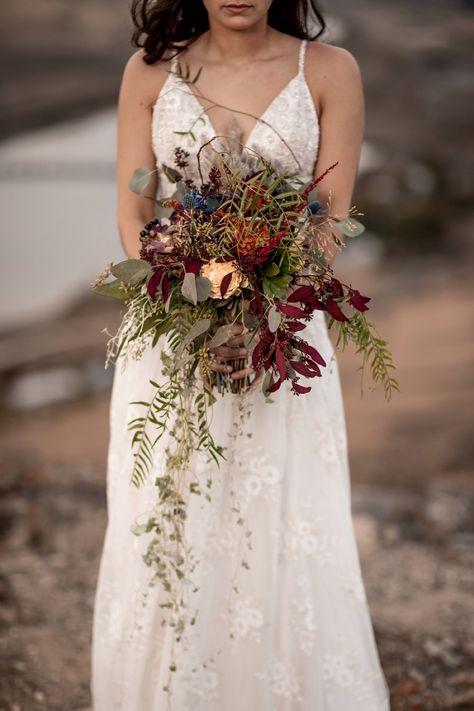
411	459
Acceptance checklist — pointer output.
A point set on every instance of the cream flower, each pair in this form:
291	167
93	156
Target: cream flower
216	271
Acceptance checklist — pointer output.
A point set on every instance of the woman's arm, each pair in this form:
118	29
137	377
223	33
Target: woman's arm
140	86
335	82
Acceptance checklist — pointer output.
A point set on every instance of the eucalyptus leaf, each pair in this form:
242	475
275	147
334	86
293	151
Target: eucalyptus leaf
274	318
114	289
196	330
203	288
222	335
350	227
140	180
250	321
180	192
189	289
162	212
266	382
173	175
131	270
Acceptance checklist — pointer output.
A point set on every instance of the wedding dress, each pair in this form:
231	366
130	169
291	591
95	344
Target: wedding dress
297	636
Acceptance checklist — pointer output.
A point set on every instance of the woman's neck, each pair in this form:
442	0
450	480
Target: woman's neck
221	44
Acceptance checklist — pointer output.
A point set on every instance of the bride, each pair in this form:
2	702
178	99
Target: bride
297	635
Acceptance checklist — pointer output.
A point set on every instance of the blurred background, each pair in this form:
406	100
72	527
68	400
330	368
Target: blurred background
411	459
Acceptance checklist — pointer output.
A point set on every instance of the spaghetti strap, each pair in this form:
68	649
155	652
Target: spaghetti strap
302	56
174	63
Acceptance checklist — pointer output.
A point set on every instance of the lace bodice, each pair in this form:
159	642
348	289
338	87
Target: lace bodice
291	116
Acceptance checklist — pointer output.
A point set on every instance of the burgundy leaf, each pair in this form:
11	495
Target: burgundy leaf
302	293
257	353
302	369
312	352
256	305
358	301
154	282
269	360
193	266
313	368
295	326
225	284
300	389
315	304
165	287
336	287
293	311
274	386
333	310
280	362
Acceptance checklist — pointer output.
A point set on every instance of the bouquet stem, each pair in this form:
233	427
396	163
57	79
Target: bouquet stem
237	386
225	383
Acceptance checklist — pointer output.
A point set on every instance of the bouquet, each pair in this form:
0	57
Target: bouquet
243	247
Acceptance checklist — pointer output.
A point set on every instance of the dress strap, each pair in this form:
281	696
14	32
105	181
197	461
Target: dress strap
174	63
302	56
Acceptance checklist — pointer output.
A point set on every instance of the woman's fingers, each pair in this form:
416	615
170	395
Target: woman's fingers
236	341
244	373
228	353
220	367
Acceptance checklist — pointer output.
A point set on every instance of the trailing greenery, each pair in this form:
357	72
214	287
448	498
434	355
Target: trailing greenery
360	331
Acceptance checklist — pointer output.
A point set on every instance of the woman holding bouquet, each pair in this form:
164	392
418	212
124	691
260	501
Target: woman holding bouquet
281	624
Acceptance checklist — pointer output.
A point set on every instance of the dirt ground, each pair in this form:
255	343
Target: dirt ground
413	500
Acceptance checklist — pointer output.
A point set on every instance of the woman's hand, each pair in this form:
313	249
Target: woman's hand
234	349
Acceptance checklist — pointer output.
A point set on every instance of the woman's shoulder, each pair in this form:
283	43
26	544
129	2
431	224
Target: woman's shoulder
144	80
329	60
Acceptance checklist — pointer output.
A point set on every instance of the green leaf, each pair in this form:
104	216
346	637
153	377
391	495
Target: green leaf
276	286
189	288
203	288
271	270
131	270
173	175
140	180
350	227
114	289
274	318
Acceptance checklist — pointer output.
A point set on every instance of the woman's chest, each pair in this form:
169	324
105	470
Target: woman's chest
284	130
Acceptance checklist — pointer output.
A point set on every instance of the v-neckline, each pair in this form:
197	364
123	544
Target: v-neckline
259	120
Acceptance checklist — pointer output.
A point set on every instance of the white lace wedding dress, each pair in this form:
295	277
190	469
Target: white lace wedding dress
298	635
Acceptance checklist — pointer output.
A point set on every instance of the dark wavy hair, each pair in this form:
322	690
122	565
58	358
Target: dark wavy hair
162	25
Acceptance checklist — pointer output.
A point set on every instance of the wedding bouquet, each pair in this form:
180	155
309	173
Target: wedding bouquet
240	248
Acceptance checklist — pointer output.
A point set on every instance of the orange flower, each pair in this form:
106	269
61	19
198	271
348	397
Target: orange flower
249	237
